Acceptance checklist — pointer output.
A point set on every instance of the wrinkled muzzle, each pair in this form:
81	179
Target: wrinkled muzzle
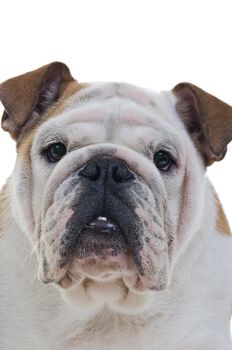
102	221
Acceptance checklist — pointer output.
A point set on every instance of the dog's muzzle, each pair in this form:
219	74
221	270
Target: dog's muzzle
101	219
100	225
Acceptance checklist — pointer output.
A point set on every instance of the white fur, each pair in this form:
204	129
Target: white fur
191	313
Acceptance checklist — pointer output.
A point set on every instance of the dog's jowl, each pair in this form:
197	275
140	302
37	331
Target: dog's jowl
112	236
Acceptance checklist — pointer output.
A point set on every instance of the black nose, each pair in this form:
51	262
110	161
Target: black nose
101	167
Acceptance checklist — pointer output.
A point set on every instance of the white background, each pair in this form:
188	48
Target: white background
155	44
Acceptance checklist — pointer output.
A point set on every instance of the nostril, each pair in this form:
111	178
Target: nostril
103	167
121	174
91	171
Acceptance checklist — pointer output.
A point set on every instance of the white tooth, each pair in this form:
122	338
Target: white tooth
102	218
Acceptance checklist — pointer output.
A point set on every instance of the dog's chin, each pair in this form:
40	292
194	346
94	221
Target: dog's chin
93	283
98	268
91	295
103	269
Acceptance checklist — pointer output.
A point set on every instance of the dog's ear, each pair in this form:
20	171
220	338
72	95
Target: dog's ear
207	119
26	97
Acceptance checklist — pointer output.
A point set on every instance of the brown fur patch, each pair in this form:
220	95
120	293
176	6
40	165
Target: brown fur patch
208	120
24	94
71	89
222	222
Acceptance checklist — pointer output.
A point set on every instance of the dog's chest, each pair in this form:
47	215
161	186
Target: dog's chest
114	337
46	323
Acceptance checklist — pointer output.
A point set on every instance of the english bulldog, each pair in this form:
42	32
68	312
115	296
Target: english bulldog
112	236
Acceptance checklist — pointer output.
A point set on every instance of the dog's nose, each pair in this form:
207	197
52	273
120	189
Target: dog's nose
102	167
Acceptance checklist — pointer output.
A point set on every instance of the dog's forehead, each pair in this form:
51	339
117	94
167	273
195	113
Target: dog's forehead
99	90
113	106
124	92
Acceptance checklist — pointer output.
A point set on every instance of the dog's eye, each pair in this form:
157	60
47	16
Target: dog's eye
55	152
163	160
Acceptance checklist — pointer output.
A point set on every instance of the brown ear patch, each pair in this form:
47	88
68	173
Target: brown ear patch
207	119
222	222
24	146
26	97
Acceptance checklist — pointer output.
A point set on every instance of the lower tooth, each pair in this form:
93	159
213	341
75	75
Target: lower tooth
102	218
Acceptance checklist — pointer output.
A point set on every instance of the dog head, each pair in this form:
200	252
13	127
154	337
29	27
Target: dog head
109	180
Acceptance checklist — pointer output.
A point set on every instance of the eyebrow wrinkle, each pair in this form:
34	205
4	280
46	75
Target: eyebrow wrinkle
112	122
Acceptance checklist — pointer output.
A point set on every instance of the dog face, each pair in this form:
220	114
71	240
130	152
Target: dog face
108	183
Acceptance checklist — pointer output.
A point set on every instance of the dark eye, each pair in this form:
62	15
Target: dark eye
163	160
55	152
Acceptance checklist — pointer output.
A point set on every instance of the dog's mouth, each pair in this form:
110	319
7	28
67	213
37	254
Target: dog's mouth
102	253
101	237
102	234
102	223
